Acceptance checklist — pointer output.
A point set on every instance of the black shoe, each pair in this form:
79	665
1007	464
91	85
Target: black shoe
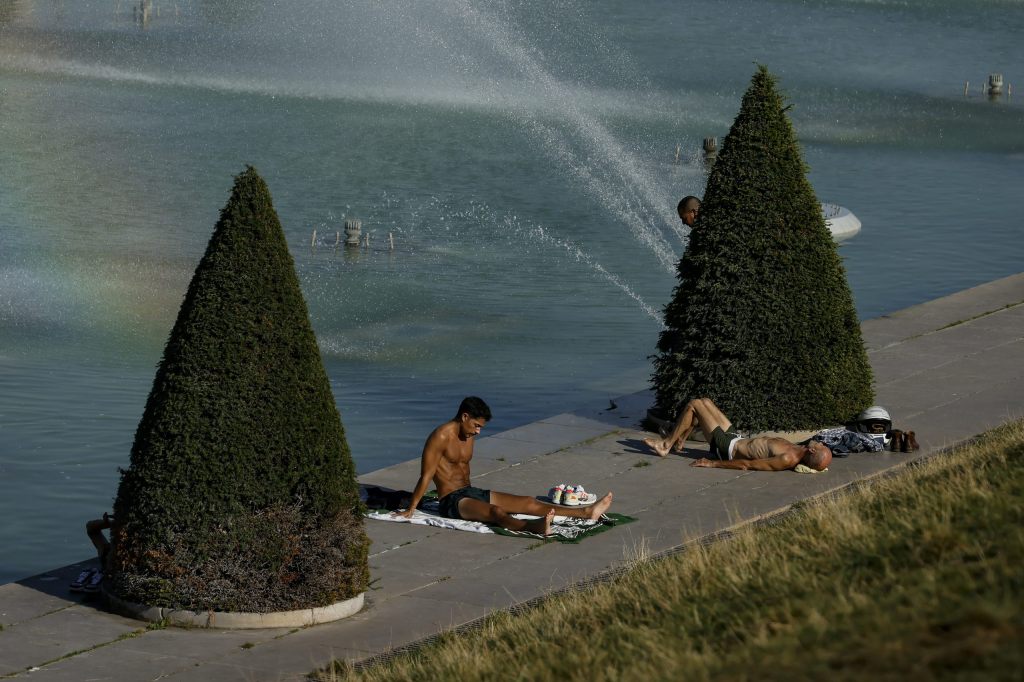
93	584
79	583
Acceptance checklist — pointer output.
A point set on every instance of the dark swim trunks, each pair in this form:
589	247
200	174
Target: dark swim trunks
720	442
448	505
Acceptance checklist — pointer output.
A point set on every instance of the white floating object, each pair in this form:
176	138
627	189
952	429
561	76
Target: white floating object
840	221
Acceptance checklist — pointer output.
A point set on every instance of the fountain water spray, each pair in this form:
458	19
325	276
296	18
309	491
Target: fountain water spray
539	233
641	214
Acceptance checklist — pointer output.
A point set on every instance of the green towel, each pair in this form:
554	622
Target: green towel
571	529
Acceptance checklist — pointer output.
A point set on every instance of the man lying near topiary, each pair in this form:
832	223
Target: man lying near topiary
445	461
763	453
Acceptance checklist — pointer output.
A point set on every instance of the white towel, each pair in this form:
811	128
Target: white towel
421	519
567	527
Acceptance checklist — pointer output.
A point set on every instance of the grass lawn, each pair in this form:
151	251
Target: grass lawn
913	576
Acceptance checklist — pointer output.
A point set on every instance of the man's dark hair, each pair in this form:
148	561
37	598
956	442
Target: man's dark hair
475	408
685	201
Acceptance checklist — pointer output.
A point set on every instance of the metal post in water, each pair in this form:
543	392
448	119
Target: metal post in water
391	239
337	239
312	241
967	86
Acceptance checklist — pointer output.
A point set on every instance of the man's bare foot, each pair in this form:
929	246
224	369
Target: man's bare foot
542	526
658	445
600	507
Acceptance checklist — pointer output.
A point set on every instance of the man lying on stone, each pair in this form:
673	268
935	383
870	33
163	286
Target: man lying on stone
445	462
763	453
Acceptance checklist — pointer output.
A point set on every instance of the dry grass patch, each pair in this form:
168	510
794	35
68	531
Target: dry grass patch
914	576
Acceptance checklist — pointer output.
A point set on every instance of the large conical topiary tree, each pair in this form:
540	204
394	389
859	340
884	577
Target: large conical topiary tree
241	493
762	320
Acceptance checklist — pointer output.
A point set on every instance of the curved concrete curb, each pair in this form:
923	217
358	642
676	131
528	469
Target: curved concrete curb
235	620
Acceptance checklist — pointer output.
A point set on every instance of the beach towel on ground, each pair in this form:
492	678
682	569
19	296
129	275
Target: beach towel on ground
563	528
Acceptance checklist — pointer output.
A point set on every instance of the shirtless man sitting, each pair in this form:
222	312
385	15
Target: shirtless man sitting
445	461
763	453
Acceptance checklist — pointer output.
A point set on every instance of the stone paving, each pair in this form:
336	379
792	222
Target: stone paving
948	369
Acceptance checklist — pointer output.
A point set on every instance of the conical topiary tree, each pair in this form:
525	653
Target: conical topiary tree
762	319
241	493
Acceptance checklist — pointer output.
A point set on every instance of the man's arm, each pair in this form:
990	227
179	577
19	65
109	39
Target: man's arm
432	452
776	463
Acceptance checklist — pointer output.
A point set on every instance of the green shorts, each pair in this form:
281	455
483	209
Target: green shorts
720	442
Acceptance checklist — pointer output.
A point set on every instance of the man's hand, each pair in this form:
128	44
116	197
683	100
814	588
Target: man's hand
702	462
408	513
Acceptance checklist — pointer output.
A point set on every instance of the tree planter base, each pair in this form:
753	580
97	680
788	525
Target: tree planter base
235	620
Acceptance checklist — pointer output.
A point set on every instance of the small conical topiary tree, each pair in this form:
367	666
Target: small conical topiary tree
762	319
241	493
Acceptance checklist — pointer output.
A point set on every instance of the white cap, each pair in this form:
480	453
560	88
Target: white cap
874	412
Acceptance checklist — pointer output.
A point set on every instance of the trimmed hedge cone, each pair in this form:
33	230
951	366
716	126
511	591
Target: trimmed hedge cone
241	492
762	319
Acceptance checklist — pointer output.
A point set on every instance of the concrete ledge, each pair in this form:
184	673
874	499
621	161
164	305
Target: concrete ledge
948	369
235	620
